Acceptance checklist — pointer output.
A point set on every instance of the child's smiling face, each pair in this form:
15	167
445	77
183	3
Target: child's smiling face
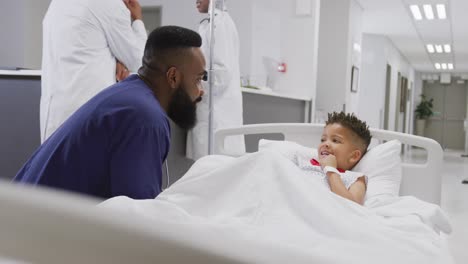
341	142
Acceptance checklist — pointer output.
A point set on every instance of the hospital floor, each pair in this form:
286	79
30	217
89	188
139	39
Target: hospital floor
455	202
454	199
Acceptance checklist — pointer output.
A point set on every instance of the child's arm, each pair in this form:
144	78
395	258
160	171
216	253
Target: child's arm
356	191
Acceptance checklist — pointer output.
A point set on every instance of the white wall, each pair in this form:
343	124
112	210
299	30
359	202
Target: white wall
22	44
23	41
340	29
269	32
418	88
11	53
354	54
21	33
34	14
377	52
299	47
279	35
332	56
241	12
177	12
184	13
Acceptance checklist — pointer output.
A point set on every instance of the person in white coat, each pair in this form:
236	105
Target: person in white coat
84	42
226	91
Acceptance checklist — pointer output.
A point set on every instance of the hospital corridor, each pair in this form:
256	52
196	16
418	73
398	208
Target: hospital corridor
233	131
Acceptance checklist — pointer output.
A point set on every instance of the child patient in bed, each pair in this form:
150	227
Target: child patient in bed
344	141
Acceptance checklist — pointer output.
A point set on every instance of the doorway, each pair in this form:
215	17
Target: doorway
446	126
399	104
387	97
403	105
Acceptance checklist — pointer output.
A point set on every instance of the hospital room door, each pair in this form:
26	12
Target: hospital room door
446	126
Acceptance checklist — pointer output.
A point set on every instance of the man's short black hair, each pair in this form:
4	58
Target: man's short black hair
166	38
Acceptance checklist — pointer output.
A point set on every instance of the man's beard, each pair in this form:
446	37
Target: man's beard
182	110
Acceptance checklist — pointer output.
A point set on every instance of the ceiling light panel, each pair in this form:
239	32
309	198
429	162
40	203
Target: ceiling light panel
441	12
430	48
437	66
450	66
444	66
428	12
439	49
447	48
416	12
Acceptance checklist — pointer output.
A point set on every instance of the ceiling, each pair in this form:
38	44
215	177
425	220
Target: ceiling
393	19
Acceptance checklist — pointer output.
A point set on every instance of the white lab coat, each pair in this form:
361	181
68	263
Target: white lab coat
81	41
227	95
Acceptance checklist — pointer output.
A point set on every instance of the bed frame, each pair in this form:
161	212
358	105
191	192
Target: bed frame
419	180
45	226
38	225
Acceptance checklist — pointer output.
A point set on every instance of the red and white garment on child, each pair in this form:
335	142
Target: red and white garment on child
313	167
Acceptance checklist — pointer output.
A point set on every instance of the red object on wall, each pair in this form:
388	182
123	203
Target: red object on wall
282	67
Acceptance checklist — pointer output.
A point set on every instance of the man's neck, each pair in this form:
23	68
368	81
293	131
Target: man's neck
162	99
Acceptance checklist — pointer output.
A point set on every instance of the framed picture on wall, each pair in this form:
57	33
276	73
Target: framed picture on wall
354	79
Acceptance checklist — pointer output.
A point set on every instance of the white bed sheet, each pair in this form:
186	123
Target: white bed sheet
261	208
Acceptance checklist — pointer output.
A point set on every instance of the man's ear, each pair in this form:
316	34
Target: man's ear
174	77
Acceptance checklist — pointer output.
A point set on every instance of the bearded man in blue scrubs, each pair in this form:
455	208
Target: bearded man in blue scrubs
117	142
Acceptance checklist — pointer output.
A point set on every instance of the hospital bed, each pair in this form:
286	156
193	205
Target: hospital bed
422	180
46	226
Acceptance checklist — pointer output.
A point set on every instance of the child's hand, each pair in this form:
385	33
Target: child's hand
328	160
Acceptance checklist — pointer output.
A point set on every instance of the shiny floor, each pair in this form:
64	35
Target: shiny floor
454	197
455	202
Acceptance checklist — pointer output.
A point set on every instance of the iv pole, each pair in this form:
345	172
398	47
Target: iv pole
211	79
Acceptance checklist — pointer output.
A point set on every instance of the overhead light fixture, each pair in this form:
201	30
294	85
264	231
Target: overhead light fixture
437	66
447	48
441	13
439	49
444	66
430	48
450	66
428	12
416	12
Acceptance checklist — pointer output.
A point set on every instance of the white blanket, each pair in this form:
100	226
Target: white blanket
261	208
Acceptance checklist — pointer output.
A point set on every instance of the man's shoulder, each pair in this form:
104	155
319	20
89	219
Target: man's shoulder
130	101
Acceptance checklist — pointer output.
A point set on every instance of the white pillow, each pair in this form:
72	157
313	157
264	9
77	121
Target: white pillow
381	164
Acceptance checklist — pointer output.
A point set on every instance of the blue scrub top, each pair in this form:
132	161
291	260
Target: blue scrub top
115	144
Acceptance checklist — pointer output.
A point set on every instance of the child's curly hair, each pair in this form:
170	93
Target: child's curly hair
350	121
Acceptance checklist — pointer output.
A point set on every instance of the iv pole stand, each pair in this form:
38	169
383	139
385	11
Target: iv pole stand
211	80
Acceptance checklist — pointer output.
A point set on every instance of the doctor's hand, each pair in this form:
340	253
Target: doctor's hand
121	72
135	9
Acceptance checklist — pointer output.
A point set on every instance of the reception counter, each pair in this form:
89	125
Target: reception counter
19	115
